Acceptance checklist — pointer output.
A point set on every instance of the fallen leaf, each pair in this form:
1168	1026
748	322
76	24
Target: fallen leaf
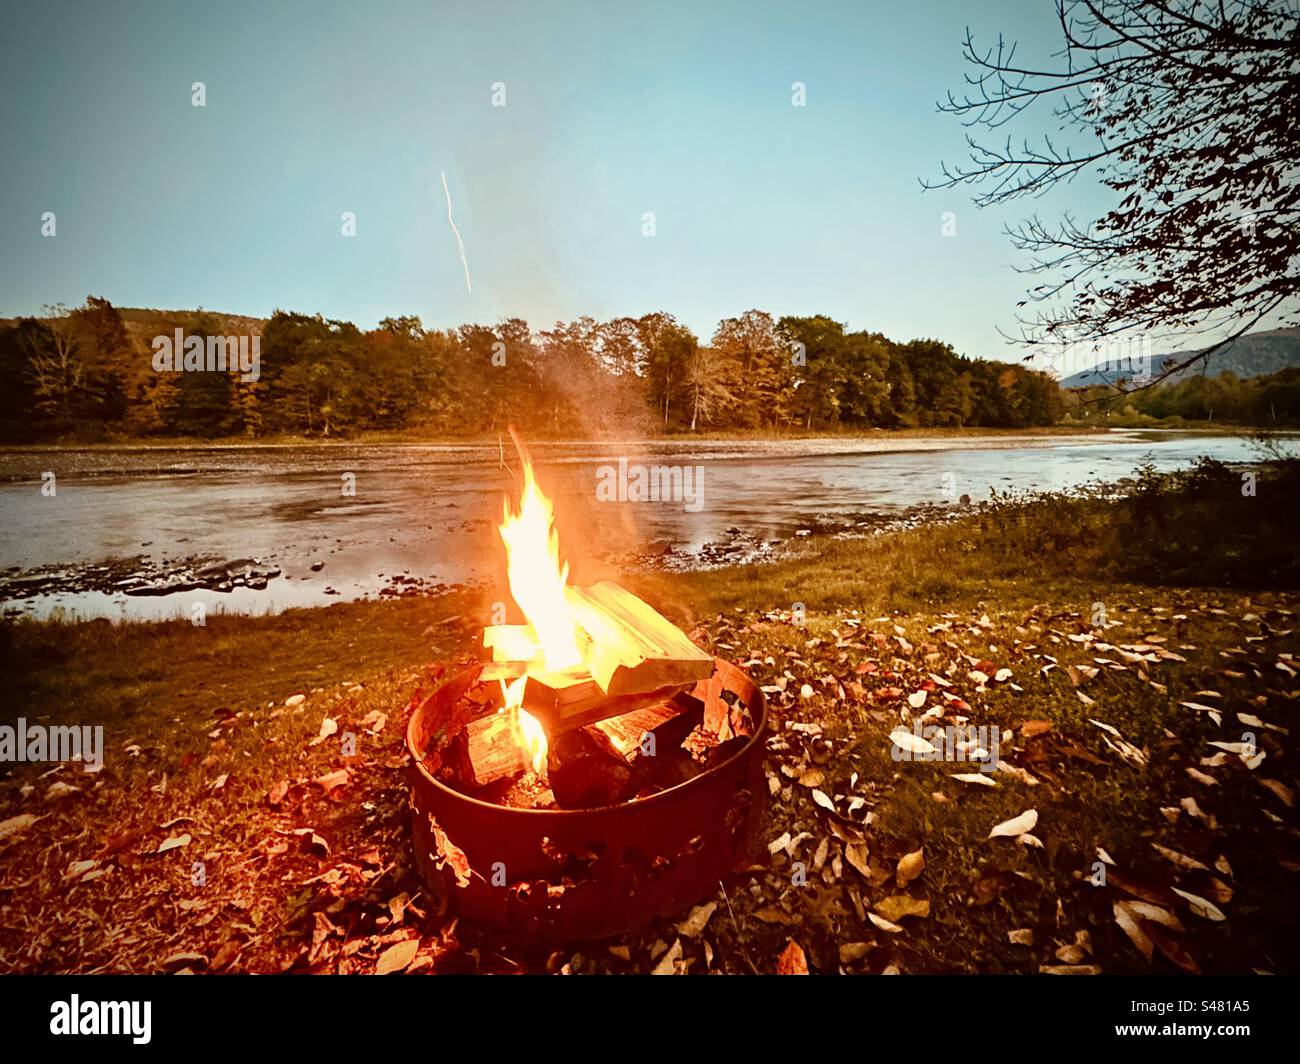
668	962
1180	859
1200	907
909	741
696	921
15	824
900	906
331	780
883	924
173	842
856	854
1017	825
910	866
397	957
792	960
184	960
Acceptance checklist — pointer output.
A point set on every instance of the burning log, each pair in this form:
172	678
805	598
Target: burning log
632	647
492	753
578	705
626	732
586	770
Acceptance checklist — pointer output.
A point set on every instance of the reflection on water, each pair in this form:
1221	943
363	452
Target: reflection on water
430	510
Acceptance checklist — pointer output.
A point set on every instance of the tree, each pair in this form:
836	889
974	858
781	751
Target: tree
668	351
1190	114
708	379
758	366
106	354
54	362
864	397
818	344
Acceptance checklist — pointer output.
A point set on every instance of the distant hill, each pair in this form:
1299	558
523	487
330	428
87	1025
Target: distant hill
1253	355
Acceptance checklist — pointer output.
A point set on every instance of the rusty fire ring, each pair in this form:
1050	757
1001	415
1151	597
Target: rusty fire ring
586	873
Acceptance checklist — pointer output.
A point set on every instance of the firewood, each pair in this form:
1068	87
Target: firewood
582	703
665	762
625	731
493	753
586	770
632	647
511	642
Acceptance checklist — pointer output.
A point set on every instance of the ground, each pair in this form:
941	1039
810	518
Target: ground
1146	728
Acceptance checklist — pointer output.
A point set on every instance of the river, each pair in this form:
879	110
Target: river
344	521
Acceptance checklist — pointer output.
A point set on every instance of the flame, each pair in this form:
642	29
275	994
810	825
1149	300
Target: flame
537	579
526	729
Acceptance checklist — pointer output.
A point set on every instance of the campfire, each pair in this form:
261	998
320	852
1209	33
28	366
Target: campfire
596	766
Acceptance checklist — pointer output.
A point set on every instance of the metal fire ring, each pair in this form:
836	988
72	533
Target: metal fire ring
585	873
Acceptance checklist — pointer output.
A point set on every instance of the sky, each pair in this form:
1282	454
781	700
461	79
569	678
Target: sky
611	111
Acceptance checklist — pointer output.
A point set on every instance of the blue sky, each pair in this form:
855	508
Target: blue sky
611	110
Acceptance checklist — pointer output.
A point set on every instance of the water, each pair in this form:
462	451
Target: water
429	510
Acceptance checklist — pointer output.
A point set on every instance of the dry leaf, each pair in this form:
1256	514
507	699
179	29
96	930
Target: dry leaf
856	854
1200	907
909	867
698	918
173	842
331	780
668	962
792	960
397	957
823	800
1017	825
900	906
15	824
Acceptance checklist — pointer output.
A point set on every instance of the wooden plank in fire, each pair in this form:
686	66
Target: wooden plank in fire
625	731
583	702
511	642
493	752
633	648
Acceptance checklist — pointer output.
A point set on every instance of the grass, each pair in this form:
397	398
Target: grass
1203	576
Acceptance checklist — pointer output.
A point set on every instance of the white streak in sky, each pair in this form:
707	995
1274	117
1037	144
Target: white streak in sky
459	243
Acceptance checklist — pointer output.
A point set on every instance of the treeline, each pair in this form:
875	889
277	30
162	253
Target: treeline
1273	399
90	372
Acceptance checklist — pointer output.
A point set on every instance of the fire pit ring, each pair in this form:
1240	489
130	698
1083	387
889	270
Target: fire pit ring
585	873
